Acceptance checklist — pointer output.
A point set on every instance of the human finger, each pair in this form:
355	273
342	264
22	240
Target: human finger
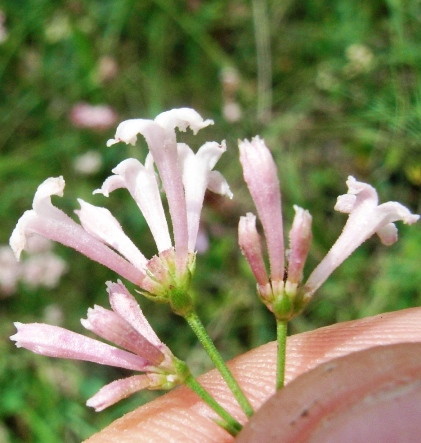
370	395
180	416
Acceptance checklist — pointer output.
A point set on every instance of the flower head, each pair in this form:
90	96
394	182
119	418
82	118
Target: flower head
278	289
125	325
184	175
284	294
366	217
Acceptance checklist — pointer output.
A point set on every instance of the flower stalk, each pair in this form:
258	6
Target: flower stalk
229	423
197	326
281	339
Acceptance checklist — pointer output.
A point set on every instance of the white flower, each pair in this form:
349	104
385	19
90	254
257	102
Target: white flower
185	176
366	217
50	222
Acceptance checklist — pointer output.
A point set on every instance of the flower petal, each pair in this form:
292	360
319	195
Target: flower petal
388	234
54	341
261	176
251	247
365	219
101	224
118	390
52	223
142	184
126	306
196	169
182	118
110	326
162	144
300	239
218	184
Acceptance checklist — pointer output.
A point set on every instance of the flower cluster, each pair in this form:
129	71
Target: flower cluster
184	175
279	290
126	326
283	292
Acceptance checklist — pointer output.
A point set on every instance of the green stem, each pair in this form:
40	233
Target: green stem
281	336
230	424
194	322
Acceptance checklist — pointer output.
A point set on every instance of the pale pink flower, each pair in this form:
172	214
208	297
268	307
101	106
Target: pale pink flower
231	111
41	268
3	30
10	271
97	117
107	69
250	244
37	244
44	269
50	222
299	244
366	218
185	176
126	326
261	176
279	289
88	163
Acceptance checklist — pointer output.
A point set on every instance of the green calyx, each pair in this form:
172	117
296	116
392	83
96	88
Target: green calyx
181	302
283	299
166	283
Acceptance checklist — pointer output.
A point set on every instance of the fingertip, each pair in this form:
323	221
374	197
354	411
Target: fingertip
371	395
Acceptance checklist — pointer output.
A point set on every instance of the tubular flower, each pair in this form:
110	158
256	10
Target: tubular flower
279	289
366	217
50	222
178	169
185	176
126	326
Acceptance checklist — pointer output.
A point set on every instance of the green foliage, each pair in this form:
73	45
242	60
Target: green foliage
346	99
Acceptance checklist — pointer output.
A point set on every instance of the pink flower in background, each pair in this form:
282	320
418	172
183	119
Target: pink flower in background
126	326
41	268
107	69
97	117
88	163
366	218
10	272
3	31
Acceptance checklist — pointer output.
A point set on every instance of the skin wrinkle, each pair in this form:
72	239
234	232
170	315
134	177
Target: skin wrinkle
255	371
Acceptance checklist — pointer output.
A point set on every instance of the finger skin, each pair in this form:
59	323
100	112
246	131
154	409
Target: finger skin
180	416
372	395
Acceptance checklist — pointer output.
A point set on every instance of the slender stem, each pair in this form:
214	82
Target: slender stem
194	322
281	336
230	424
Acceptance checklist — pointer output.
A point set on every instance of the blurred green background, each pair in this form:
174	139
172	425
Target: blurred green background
334	88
